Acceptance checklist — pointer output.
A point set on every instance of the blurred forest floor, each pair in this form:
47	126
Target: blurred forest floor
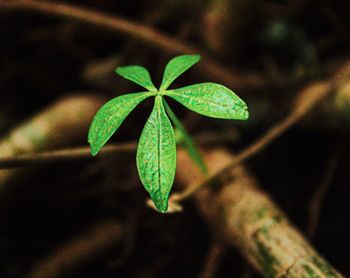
87	217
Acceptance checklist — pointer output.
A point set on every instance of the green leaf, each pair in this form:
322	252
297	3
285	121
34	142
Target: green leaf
108	119
138	75
176	67
156	156
212	100
187	140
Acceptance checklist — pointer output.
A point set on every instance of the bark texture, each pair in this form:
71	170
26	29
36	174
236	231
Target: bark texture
241	214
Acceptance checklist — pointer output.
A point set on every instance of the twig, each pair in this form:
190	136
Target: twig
242	215
141	32
212	260
316	201
78	153
64	155
305	101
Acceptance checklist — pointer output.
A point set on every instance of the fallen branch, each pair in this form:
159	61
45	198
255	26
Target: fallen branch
245	217
64	155
305	101
141	32
78	153
65	122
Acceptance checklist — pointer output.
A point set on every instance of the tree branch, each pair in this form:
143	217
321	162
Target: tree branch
64	122
306	99
242	215
141	32
78	153
63	155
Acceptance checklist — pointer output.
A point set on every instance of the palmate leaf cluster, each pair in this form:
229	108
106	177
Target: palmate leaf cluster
156	151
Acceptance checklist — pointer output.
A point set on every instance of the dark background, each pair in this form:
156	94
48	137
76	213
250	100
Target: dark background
43	58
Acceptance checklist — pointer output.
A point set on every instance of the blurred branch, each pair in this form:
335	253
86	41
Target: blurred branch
80	251
212	261
226	23
304	102
77	153
141	32
315	204
242	215
64	122
64	155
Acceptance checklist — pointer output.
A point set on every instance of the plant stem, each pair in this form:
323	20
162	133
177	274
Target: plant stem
188	142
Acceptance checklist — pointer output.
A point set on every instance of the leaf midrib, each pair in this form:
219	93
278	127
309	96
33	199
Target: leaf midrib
218	104
159	137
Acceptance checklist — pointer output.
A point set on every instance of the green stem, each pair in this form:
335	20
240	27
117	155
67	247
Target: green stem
187	140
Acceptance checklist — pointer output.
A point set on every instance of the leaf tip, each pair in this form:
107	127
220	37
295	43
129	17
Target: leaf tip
162	207
93	149
194	57
121	71
118	70
160	201
245	114
197	57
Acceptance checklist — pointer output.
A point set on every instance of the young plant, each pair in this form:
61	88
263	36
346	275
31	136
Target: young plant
156	151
